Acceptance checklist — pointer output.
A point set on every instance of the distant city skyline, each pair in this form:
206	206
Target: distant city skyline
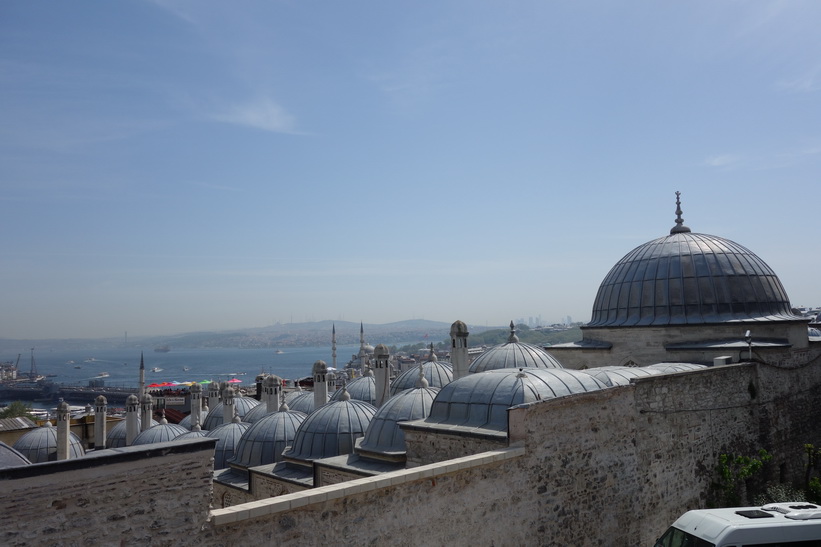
171	166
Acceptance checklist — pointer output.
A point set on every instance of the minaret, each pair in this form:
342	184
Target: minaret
320	384
146	412
382	377
459	349
196	403
132	426
363	353
63	423
333	345
228	405
142	376
100	414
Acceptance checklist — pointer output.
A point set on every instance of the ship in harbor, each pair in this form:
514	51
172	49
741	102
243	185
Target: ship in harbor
163	349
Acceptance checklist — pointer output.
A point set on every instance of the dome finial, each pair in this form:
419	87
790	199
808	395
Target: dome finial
431	355
512	338
679	228
421	381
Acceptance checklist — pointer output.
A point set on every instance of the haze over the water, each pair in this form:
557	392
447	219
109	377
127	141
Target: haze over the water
173	166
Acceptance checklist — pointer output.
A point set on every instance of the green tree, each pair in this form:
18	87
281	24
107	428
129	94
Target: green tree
16	409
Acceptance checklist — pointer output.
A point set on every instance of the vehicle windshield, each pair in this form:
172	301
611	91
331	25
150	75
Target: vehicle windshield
679	538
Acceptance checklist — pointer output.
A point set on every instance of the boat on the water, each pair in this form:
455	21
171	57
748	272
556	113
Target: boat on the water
103	375
162	349
186	369
156	369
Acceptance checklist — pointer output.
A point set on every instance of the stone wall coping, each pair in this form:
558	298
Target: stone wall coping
278	504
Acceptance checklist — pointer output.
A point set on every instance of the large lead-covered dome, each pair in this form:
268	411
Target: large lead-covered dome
687	278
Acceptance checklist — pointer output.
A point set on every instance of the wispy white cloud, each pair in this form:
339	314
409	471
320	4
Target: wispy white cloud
809	82
263	114
723	161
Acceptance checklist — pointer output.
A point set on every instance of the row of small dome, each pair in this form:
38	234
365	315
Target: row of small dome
477	401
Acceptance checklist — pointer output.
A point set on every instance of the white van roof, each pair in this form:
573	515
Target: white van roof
795	521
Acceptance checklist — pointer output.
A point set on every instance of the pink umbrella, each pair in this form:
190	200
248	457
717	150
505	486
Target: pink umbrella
234	381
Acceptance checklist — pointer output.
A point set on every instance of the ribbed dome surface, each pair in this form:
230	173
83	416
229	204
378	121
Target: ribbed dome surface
303	402
117	434
384	434
242	405
40	445
228	436
267	438
482	399
161	433
620	376
9	457
360	389
688	278
437	373
331	430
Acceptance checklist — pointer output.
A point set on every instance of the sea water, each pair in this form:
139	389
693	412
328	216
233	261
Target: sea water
78	367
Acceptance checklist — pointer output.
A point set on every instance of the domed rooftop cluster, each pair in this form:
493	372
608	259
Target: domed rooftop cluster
513	355
116	436
481	400
242	405
160	433
228	436
688	278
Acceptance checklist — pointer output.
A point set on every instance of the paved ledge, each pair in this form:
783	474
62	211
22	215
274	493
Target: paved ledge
278	504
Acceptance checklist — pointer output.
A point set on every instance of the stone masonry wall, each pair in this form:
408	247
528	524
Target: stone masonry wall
613	467
145	495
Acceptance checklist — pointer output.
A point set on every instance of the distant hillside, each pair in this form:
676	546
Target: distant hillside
316	333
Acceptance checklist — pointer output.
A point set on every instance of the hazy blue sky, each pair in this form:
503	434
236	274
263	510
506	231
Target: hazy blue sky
170	166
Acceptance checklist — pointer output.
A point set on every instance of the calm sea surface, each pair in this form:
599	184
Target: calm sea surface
123	365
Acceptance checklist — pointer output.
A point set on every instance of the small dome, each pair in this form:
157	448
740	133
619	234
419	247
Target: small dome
40	445
265	440
513	355
228	436
9	457
257	413
331	430
303	402
481	400
619	376
437	373
383	434
160	433
242	405
360	389
116	435
670	368
197	434
686	278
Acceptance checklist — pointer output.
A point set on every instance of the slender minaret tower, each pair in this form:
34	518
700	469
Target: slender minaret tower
333	345
363	353
63	423
213	395
142	376
146	412
320	384
100	414
228	405
132	426
196	403
459	349
381	375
